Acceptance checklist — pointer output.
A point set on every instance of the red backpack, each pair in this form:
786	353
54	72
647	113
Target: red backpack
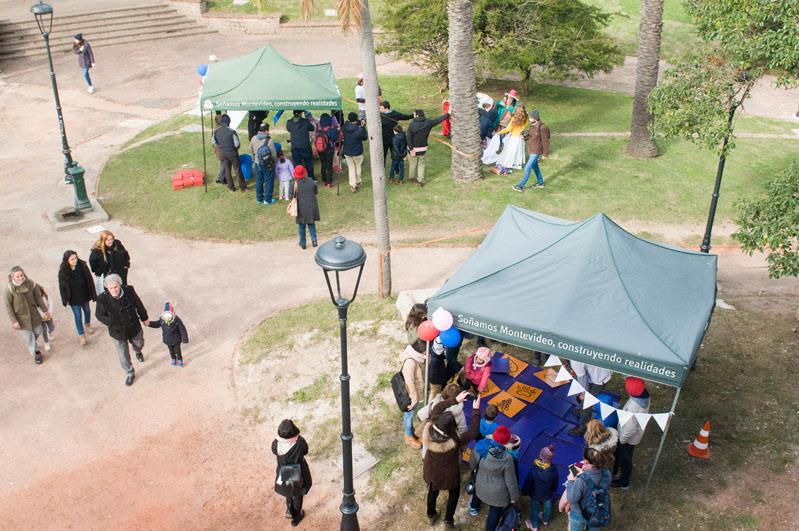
321	141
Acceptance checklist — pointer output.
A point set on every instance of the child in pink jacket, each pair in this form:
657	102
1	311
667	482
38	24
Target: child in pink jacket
478	368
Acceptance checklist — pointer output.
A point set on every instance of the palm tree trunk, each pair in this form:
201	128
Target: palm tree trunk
646	77
463	93
377	164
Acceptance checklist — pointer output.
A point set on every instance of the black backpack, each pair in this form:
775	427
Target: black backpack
400	390
263	156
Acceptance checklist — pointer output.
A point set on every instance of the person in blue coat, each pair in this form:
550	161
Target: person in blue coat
540	486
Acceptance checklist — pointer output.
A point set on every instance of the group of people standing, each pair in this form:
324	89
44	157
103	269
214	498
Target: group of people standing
444	431
508	134
103	281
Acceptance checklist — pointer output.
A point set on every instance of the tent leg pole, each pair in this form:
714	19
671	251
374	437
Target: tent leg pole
426	372
663	437
205	164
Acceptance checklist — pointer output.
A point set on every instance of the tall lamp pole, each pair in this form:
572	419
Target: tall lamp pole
73	173
337	256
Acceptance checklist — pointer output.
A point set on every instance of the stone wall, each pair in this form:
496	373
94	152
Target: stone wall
268	24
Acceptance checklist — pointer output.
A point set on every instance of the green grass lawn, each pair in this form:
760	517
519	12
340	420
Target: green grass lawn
584	175
678	34
735	385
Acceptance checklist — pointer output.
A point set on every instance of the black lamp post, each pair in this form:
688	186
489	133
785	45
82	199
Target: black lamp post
336	256
73	173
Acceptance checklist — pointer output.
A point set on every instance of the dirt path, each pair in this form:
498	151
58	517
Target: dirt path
171	451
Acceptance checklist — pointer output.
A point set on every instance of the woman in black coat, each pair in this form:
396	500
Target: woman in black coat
292	477
307	205
108	256
77	288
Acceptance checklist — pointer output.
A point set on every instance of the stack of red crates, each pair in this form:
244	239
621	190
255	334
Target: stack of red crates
186	179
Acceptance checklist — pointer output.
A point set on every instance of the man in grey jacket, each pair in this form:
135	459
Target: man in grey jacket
630	434
227	141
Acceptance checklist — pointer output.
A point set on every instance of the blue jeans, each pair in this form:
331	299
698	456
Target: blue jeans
532	165
577	522
547	507
264	184
87	77
407	422
303	156
494	514
87	316
397	166
311	229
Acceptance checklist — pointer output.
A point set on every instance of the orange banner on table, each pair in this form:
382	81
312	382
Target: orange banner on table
507	404
516	366
525	392
490	389
548	376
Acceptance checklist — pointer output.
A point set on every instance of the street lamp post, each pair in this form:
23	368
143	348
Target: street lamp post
73	173
337	256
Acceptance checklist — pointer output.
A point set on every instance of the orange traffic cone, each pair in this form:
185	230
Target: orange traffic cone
700	447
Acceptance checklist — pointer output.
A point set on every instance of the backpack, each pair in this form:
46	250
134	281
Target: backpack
510	519
322	141
596	506
263	157
400	391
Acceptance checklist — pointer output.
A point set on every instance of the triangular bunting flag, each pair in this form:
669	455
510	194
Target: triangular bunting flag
553	361
643	419
624	416
662	419
589	400
606	410
563	375
575	388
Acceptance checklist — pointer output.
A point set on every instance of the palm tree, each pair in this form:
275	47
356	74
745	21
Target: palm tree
462	93
642	144
354	15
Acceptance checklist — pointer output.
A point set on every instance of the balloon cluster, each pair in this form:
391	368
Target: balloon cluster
440	326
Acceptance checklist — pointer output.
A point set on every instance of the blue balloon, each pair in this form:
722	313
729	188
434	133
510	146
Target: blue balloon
202	69
451	337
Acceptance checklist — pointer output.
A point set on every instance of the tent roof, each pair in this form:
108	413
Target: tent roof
265	80
587	291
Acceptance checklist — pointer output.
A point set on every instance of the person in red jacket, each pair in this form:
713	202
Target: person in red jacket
446	125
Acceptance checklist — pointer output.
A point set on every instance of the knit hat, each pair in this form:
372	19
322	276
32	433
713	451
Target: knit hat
300	172
78	36
482	356
352	117
635	386
546	453
501	435
169	313
535	115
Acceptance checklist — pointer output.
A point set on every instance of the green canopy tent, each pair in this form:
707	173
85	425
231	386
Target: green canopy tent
264	80
586	291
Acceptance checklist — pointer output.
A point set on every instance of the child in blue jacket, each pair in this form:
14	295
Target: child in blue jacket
540	486
173	333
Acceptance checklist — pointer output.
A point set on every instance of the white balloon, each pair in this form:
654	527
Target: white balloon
442	319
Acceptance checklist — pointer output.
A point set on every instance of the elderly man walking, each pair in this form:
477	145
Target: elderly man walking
121	310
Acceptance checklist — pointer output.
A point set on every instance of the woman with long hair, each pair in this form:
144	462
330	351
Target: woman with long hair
108	256
76	284
416	316
601	439
24	301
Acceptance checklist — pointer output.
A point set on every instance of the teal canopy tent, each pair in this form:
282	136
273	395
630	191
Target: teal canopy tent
586	291
264	80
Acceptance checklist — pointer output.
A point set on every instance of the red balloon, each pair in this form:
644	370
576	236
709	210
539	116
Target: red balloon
427	331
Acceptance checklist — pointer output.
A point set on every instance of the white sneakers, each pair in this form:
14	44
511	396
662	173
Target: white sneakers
90	90
47	347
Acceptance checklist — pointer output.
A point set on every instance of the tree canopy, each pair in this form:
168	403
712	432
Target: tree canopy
556	39
771	224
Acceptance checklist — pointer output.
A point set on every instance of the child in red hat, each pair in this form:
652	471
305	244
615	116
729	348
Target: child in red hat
173	333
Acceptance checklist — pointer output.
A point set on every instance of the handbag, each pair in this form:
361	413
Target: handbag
289	479
291	210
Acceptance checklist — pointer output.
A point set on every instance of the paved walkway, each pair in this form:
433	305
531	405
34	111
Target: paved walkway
171	451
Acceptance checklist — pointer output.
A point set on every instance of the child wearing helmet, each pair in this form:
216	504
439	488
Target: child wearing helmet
173	333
